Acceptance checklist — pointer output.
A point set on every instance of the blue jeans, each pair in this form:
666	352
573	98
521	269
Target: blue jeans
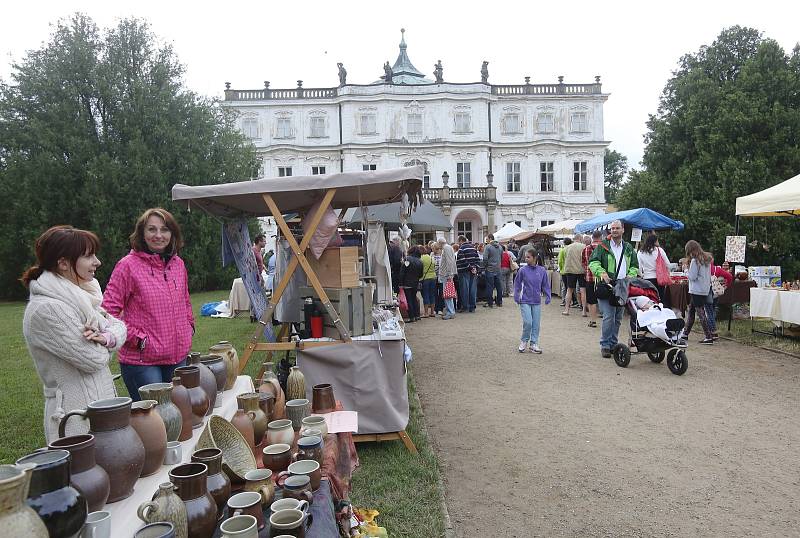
531	318
494	281
136	376
469	290
429	291
450	307
612	319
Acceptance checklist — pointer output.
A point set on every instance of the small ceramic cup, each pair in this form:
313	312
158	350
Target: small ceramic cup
174	453
277	457
317	423
294	522
297	487
247	503
289	504
244	526
310	432
156	530
309	468
98	525
260	481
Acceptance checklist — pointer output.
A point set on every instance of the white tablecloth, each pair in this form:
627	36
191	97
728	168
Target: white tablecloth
238	300
124	521
778	305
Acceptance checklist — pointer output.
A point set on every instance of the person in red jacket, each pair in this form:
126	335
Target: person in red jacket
148	290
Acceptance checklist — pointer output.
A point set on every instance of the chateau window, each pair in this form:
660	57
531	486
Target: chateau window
546	176
284	171
513	177
368	124
414	124
368	167
511	124
284	128
579	175
463	122
546	123
546	223
579	123
318	128
317	170
250	127
463	175
464	228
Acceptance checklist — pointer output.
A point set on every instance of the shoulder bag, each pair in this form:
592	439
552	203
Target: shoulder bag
662	271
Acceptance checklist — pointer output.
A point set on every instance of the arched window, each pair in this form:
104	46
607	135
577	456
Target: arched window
426	176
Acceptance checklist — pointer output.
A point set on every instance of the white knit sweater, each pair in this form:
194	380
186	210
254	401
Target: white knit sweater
73	369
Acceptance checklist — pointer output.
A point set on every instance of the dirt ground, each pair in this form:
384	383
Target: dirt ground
569	444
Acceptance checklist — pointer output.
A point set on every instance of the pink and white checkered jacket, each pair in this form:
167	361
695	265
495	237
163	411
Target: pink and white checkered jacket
152	298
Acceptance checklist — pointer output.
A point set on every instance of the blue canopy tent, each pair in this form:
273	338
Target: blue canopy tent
643	218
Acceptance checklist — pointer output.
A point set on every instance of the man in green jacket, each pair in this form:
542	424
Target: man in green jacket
612	259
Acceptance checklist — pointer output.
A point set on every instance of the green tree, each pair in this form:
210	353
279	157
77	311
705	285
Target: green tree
615	166
728	125
95	127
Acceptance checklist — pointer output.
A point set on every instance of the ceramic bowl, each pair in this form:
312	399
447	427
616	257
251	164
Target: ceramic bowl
237	458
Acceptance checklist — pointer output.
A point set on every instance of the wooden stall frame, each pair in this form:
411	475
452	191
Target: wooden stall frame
390	436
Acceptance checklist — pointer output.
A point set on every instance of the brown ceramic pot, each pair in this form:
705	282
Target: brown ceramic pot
228	352
180	397
270	384
153	433
249	402
266	402
85	475
218	483
242	422
218	368
190	378
191	487
118	448
208	382
169	412
322	398
277	457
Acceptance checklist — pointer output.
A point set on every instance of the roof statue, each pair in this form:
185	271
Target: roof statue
485	72
403	71
342	75
388	73
438	72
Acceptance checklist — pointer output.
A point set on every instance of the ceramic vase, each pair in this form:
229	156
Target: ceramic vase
190	378
166	506
16	517
249	403
191	487
296	411
270	384
181	399
118	448
153	433
169	412
242	422
295	384
86	476
280	432
62	508
322	398
220	370
217	482
207	380
231	357
266	402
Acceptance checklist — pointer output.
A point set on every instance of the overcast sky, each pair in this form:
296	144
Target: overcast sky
634	46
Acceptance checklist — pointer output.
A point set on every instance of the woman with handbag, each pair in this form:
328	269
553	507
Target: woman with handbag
410	275
700	294
445	273
653	262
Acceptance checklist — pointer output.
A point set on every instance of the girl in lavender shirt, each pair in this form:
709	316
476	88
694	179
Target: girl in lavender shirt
530	284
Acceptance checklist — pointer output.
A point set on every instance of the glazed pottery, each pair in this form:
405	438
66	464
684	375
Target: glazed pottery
208	382
296	411
16	517
260	481
169	412
118	448
280	432
243	526
153	433
98	525
322	398
190	378
85	475
309	468
247	503
228	353
295	384
218	483
298	486
310	432
156	530
317	423
289	504
217	366
288	522
174	454
242	422
166	506
62	508
269	383
181	399
237	458
309	448
266	402
249	403
277	457
201	510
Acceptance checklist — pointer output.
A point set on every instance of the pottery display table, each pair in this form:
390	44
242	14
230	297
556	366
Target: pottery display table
775	304
124	521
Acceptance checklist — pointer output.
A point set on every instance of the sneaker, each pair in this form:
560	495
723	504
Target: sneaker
715	336
707	341
535	349
522	347
605	352
562	304
499	305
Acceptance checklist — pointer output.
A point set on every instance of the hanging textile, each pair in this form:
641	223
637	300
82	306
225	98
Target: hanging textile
379	262
290	305
236	247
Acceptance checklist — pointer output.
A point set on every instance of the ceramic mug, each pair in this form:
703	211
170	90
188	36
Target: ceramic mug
98	525
309	468
277	457
260	481
293	522
247	503
297	487
316	422
289	504
311	432
174	453
239	527
156	530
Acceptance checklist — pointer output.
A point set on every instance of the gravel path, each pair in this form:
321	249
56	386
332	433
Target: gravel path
568	444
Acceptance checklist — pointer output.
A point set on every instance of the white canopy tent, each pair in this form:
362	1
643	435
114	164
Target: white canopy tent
565	227
509	230
781	200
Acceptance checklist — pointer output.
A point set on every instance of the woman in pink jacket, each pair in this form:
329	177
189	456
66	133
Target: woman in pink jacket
148	290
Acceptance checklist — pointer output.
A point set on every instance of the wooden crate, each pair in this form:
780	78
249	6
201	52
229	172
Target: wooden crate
354	306
337	267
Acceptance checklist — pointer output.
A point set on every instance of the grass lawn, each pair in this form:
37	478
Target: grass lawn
403	487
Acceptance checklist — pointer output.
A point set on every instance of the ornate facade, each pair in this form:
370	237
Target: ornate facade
529	153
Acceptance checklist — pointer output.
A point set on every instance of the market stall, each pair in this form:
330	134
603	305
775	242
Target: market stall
642	218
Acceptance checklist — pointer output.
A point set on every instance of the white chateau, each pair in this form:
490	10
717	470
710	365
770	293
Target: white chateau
528	153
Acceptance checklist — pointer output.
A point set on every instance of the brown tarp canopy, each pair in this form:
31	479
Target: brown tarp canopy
298	193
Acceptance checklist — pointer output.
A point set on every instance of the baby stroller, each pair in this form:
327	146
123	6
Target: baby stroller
654	331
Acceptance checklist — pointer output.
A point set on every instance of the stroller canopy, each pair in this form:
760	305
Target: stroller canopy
643	218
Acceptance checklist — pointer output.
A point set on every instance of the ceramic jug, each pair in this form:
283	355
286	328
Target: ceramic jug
249	403
169	412
244	423
16	517
166	506
220	370
207	380
295	384
190	378
180	397
269	383
118	448
153	433
228	352
266	402
201	510
217	482
85	475
62	508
